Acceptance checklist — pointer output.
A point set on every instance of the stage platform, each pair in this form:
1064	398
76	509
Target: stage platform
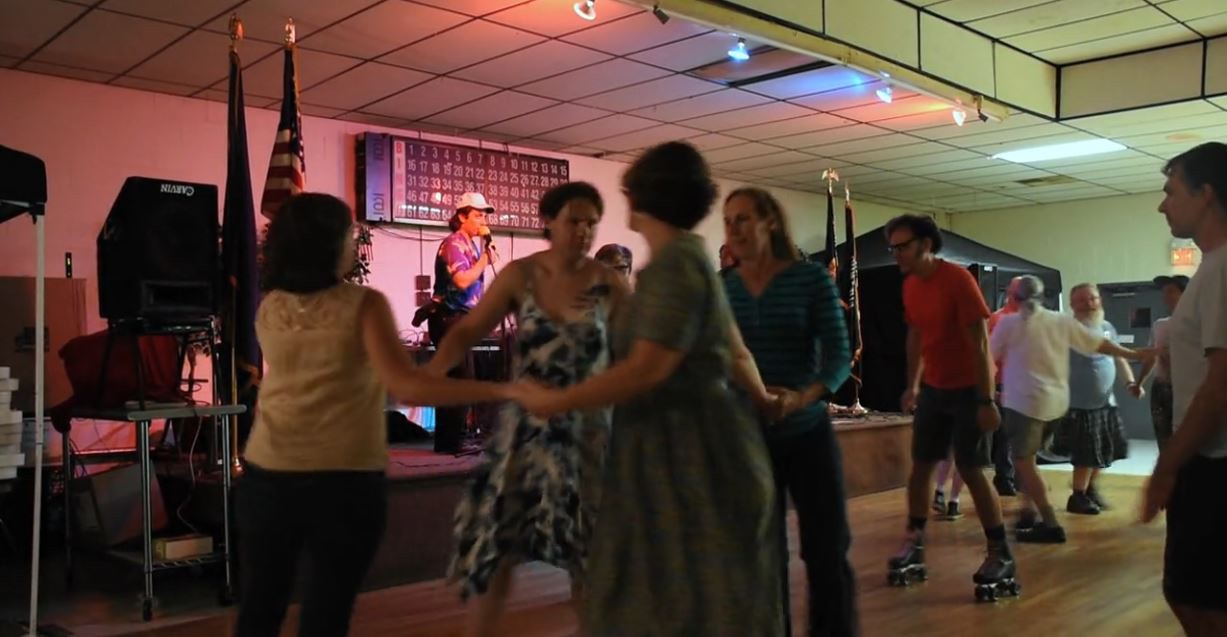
424	488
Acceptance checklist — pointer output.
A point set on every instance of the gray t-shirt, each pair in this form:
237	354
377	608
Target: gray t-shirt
1198	325
1091	378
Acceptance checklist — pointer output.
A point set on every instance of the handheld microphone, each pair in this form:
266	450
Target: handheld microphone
488	238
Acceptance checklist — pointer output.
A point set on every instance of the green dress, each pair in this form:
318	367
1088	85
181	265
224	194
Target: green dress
686	541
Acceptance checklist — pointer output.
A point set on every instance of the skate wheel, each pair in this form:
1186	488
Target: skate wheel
1013	588
895	579
922	574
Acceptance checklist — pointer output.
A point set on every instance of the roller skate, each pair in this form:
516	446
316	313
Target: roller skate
995	579
908	565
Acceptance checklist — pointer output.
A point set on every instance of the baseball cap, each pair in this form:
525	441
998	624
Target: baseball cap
473	200
1179	280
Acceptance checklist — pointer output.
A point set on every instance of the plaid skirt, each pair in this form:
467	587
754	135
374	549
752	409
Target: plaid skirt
1091	437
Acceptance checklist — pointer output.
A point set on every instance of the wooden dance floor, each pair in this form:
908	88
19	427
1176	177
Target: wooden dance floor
1104	581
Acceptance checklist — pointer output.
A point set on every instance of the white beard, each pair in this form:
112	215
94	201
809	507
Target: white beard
1091	319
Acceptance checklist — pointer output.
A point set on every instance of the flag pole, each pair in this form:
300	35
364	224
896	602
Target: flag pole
236	468
854	298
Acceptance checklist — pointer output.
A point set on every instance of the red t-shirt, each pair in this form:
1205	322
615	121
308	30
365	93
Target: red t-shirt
943	307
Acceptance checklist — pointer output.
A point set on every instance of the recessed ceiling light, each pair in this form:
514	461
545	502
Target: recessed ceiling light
1060	151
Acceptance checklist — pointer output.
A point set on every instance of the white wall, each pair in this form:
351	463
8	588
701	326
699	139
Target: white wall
1115	239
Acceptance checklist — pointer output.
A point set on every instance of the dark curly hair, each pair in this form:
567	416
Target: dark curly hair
554	199
922	227
671	182
304	242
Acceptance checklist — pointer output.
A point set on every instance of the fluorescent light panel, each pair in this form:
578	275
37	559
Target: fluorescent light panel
1060	151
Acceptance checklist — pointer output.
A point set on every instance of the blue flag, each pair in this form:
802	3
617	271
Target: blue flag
241	362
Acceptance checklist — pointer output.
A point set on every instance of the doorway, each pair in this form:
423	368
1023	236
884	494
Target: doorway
1133	308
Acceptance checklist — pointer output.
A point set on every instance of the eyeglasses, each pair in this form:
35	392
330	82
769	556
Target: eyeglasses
896	247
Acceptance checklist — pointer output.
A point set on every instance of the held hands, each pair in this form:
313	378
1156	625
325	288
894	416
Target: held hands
987	417
539	400
1136	390
786	402
907	402
1156	494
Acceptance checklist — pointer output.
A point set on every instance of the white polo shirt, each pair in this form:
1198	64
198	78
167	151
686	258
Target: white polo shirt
1199	324
1035	351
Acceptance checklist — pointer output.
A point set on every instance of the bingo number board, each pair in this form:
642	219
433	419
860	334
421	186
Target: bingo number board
414	181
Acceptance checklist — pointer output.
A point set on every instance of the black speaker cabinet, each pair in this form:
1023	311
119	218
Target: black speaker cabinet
158	252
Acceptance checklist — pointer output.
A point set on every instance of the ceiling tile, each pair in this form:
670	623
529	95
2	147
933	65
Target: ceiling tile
859	144
1158	119
1187	136
830	136
65	71
940	169
265	19
713	141
634	33
966	10
830	78
995	174
890	152
362	85
104	41
190	14
787	127
527	65
320	111
488	110
200	59
1049	15
548	119
761	114
24	28
377	120
384	27
1192	9
904	165
849	97
1124	43
473	7
540	144
880	111
156	86
266	77
811	166
467	44
593	79
663	89
976	127
1105	26
430	98
919	122
699	105
762	161
597	129
1211	25
741	151
553	18
690	53
1119	159
990	134
644	138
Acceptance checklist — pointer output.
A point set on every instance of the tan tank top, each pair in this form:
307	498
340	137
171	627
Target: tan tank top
321	406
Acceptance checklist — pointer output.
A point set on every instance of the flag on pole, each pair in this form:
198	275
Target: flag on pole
241	361
832	258
287	169
849	288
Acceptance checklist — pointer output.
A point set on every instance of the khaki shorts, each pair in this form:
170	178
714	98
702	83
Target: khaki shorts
1026	434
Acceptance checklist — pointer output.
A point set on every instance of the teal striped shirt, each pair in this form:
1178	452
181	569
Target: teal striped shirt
797	334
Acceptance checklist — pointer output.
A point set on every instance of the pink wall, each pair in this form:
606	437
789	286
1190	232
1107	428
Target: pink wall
93	136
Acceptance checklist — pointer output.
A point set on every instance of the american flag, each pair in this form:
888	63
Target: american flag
287	169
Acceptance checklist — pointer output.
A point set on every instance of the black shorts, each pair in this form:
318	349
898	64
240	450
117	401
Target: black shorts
1194	560
946	418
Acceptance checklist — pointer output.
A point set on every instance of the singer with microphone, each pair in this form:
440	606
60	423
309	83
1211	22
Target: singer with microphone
460	267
